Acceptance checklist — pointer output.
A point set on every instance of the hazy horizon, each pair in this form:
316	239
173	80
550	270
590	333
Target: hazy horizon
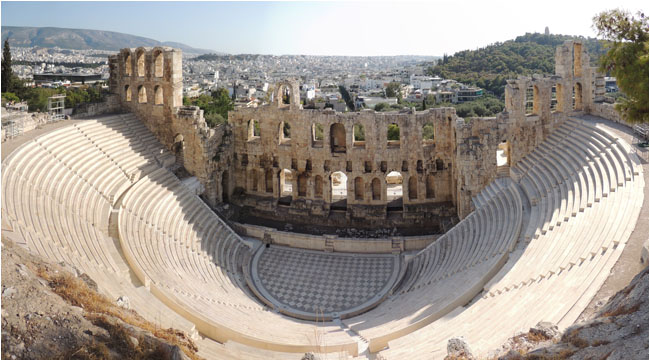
319	28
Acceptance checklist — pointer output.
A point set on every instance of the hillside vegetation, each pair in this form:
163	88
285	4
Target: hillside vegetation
491	66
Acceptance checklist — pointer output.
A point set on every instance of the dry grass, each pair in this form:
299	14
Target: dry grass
77	293
622	311
576	340
599	343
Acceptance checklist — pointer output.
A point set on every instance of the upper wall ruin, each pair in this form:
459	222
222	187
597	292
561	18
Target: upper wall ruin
282	159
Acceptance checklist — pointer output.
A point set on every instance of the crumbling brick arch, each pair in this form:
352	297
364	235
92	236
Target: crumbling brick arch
127	93
142	94
140	62
158	95
337	138
158	63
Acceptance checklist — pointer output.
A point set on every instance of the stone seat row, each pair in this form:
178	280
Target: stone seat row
198	275
449	272
590	232
555	289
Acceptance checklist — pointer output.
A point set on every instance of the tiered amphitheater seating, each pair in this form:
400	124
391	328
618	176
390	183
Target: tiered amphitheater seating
189	258
450	271
57	192
585	188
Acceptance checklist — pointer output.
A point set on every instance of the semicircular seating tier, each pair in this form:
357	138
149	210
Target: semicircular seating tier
568	211
585	191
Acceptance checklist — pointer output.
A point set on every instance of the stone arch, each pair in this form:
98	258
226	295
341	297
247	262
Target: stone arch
376	189
339	189
393	135
318	187
284	133
286	182
503	153
337	138
413	187
317	135
428	133
142	94
127	93
128	66
529	101
430	187
158	95
253	129
394	190
358	189
302	185
577	96
287	94
140	57
158	63
268	181
358	135
557	102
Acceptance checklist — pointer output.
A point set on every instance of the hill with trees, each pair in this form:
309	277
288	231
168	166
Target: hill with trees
491	66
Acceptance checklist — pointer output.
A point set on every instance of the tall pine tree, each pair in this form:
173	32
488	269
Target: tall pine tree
7	73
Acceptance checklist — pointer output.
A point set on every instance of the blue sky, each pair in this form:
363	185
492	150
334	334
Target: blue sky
321	28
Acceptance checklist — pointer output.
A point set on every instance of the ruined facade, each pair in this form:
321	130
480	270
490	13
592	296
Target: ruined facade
284	162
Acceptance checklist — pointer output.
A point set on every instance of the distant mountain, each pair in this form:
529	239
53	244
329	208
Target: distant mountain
80	39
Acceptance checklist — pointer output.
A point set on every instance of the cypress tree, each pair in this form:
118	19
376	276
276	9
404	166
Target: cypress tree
7	73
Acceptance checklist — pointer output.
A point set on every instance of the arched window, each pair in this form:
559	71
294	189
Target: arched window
413	187
127	66
317	135
529	102
339	188
141	63
127	93
286	94
337	138
158	65
158	95
284	133
142	94
359	136
318	187
577	97
302	185
376	189
358	188
253	129
394	191
392	135
286	183
430	187
427	133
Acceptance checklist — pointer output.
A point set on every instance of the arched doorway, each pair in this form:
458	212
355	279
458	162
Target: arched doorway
339	190
394	191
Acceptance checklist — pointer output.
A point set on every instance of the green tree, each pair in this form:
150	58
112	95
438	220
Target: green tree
393	90
627	59
7	73
380	107
393	132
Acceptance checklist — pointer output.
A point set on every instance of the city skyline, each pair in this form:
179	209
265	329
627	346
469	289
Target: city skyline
318	28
